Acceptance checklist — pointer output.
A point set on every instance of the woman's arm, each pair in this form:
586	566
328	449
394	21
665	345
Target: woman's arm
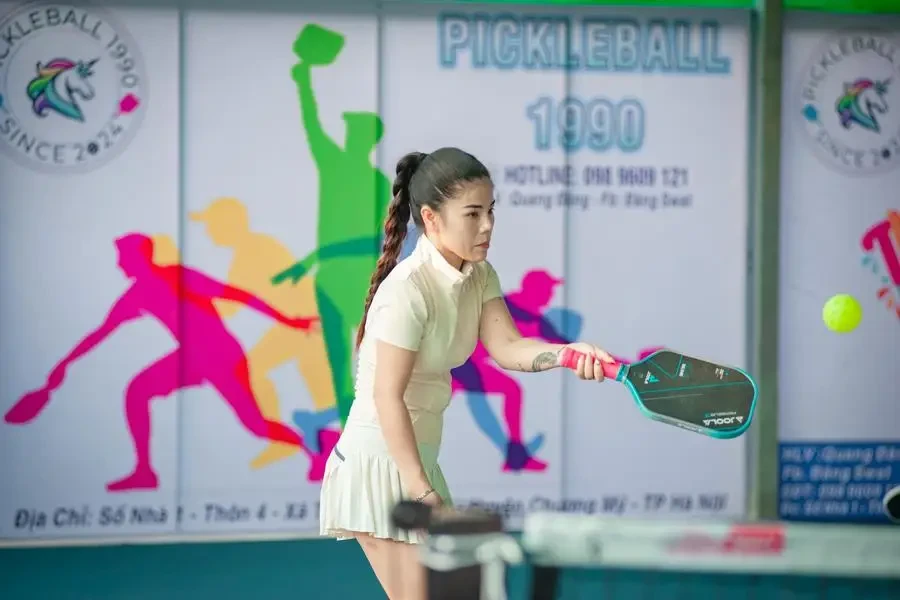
396	323
393	367
505	344
513	352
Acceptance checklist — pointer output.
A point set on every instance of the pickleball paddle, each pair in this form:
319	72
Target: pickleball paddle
684	391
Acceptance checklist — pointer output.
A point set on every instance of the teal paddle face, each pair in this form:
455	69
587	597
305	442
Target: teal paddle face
701	396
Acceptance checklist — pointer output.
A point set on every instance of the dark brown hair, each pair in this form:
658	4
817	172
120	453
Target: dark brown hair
422	180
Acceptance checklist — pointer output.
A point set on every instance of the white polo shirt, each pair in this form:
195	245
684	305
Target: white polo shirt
426	305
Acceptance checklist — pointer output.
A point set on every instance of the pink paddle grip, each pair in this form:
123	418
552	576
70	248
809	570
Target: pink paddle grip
568	358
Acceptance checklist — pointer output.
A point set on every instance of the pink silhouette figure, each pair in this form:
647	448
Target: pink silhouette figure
181	299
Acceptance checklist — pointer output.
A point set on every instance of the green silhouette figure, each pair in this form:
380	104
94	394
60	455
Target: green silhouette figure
353	200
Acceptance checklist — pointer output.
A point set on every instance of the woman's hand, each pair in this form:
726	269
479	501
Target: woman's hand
589	364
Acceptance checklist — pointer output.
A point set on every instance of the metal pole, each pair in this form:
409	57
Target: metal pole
766	206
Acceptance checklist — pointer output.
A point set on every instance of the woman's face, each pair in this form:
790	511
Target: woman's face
462	228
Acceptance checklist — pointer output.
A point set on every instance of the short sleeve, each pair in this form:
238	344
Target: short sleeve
491	284
398	314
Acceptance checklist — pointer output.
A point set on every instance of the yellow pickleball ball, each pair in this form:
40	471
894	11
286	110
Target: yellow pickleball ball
842	313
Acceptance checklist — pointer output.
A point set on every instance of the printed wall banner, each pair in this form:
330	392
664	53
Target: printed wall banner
840	233
91	337
299	230
204	392
580	115
656	248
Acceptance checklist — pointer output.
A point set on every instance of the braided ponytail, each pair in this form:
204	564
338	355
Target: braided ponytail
395	227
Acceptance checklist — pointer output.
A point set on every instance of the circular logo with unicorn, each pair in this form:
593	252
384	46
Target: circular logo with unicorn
850	102
72	87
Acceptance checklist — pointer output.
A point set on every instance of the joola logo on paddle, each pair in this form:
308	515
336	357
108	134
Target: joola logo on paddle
735	420
848	101
72	87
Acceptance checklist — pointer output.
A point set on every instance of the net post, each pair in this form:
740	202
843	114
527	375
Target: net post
762	493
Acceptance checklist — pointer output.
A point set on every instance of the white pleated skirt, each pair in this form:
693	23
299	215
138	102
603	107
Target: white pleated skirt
362	485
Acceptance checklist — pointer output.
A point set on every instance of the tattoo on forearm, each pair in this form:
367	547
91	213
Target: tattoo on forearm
543	361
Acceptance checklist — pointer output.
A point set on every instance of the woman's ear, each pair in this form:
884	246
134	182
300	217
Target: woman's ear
429	218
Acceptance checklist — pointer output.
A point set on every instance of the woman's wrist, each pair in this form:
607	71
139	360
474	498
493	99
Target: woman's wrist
421	497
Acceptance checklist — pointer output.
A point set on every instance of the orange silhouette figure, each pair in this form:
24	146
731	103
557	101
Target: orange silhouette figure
255	256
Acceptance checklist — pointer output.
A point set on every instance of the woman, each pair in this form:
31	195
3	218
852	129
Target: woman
423	317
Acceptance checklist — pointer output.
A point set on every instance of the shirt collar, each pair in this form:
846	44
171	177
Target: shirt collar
433	256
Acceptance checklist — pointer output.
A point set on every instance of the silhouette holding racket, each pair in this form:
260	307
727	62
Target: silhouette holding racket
353	199
180	299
